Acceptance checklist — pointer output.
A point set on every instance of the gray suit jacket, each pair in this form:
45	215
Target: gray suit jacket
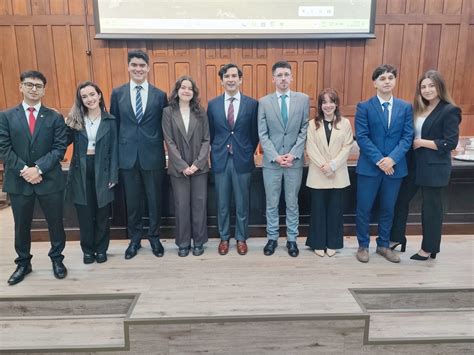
275	138
186	148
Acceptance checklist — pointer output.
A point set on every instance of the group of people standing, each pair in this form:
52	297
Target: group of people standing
129	140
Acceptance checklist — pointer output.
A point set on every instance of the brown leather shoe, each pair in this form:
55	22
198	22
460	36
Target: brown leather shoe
388	254
242	248
223	247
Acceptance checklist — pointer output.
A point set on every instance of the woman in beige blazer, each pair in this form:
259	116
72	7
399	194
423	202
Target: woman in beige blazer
186	133
328	144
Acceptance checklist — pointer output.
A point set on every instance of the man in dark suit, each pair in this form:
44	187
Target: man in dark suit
138	107
234	138
32	144
384	132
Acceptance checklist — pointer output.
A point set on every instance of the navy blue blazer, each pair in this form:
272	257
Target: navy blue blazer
433	167
376	141
45	148
243	136
144	140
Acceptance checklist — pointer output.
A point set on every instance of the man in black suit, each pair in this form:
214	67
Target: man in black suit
138	107
32	144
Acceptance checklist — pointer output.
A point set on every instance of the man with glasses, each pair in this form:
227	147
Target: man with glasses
32	144
282	125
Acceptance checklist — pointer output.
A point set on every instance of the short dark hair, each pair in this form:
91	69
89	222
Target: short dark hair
384	68
138	53
226	67
33	74
280	64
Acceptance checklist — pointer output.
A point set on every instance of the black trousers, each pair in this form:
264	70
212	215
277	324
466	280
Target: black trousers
93	221
52	207
326	225
142	185
431	214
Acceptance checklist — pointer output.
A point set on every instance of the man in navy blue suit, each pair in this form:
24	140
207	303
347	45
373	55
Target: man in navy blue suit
384	132
234	138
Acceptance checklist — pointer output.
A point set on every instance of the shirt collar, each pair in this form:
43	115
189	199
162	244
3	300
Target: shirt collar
144	85
382	101
283	93
236	96
26	106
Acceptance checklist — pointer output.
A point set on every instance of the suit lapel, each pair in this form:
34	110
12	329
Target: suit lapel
102	130
395	111
23	123
241	112
178	118
378	108
430	119
128	99
192	125
276	107
293	105
223	114
39	123
321	132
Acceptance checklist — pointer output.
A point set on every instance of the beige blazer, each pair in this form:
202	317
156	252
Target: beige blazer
319	153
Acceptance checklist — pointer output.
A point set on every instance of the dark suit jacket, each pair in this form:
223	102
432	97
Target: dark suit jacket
186	149
45	148
376	141
243	136
105	162
144	140
433	167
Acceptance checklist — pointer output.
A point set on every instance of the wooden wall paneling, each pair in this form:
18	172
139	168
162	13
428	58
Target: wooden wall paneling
58	7
9	65
81	61
6	7
76	7
118	62
64	65
354	77
101	73
247	80
381	7
448	52
396	6
430	48
373	57
434	7
21	7
3	90
335	61
25	44
415	6
463	91
212	82
40	7
297	74
47	63
411	53
262	79
452	7
393	47
310	78
161	71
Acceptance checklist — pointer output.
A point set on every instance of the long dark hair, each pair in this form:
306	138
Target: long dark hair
419	103
75	119
334	97
194	104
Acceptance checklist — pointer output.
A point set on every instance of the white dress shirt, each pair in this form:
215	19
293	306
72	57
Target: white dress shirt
143	93
390	105
27	112
287	99
236	104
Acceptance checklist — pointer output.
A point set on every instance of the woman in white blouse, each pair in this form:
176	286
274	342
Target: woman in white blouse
93	171
328	144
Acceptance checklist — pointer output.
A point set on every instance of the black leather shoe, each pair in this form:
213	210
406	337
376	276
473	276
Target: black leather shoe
89	258
19	274
101	257
157	247
270	247
198	250
132	250
182	252
292	249
59	270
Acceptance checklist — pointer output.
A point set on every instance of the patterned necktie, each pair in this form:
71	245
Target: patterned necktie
31	120
230	113
139	105
284	109
386	113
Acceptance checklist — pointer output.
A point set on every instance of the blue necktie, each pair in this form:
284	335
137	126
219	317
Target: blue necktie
385	112
284	109
139	105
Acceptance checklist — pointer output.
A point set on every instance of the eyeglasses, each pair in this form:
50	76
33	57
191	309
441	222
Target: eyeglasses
30	86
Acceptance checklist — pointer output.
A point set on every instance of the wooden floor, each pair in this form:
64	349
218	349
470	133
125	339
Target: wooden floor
254	286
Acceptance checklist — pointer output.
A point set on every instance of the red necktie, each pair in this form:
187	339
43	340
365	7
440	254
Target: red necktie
31	120
230	113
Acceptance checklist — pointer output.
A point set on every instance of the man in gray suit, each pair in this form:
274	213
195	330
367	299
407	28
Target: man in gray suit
138	107
282	125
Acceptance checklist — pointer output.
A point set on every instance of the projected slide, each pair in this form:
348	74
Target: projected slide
244	18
